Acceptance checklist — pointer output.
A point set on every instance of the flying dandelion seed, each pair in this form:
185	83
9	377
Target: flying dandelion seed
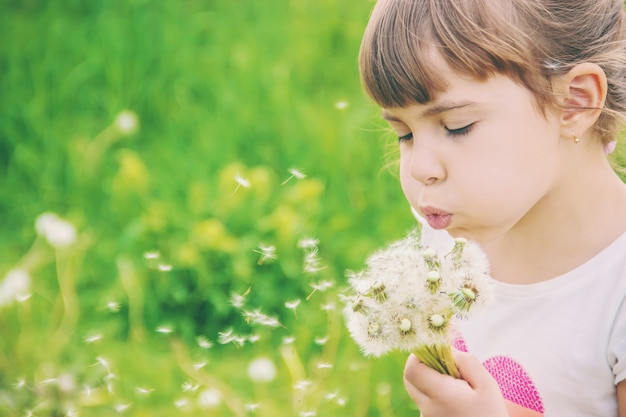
324	365
181	403
199	365
302	385
241	182
312	261
287	340
144	392
253	338
226	337
16	285
238	300
328	307
321	340
104	363
309	413
113	306
164	329
292	305
268	253
321	286
258	317
72	412
341	105
20	384
93	338
22	298
164	267
295	173
120	408
150	255
252	408
308	243
341	402
204	343
190	387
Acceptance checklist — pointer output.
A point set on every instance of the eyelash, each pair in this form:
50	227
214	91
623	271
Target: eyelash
462	131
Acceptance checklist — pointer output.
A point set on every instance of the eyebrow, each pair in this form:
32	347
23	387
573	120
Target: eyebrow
434	109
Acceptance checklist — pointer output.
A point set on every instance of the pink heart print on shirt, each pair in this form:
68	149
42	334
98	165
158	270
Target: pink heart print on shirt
513	380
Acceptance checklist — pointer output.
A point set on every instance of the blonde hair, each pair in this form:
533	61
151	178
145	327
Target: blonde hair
531	41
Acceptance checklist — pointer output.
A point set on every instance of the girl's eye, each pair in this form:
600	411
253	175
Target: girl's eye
405	138
460	131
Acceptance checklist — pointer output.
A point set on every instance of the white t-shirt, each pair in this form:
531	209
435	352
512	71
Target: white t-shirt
557	347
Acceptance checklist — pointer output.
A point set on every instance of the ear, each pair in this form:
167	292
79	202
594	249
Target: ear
584	90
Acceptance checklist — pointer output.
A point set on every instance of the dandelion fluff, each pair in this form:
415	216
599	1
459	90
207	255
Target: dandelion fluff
409	293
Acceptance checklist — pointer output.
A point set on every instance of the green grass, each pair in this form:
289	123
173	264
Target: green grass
220	88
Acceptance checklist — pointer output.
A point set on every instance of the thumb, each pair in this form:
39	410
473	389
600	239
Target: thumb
473	372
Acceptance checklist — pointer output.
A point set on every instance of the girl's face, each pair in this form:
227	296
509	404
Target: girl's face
480	158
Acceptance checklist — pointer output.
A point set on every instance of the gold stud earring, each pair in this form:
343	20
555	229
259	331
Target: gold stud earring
576	138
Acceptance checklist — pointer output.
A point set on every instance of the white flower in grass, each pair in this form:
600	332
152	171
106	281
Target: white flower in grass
262	370
210	398
409	293
58	232
15	286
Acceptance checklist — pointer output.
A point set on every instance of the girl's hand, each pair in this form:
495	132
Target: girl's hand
436	395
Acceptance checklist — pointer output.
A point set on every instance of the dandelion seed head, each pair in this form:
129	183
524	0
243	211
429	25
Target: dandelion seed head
262	370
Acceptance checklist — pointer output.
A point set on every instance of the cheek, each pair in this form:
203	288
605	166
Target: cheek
410	186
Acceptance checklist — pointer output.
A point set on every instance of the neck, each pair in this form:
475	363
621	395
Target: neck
564	230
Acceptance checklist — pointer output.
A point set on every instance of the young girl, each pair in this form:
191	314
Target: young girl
505	111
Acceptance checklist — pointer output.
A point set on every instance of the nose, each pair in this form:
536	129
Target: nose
425	164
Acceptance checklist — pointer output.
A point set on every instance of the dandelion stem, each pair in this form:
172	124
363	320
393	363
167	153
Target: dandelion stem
438	357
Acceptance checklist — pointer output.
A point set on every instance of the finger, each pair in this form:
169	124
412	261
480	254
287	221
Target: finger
473	372
421	381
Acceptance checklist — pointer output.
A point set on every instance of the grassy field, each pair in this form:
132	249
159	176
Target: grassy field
182	141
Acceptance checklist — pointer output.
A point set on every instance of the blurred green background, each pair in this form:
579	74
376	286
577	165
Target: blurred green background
167	134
